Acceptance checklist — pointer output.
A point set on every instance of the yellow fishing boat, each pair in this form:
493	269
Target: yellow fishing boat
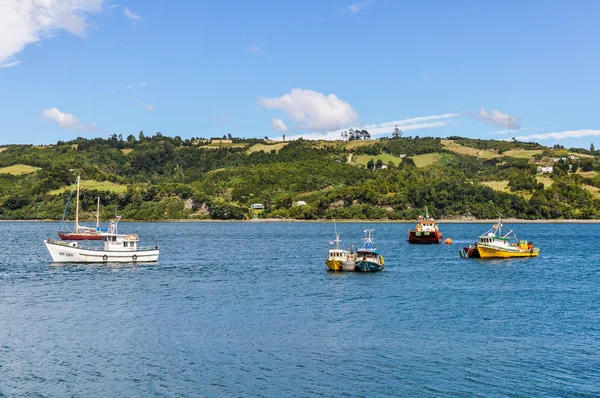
339	259
494	244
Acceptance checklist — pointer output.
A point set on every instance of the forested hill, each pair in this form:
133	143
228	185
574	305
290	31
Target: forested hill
159	177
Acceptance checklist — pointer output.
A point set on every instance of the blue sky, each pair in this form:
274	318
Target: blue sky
301	68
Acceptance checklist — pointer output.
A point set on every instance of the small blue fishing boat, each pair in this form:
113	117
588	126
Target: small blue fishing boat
367	258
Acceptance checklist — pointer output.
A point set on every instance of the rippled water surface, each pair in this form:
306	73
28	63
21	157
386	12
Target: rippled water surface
249	309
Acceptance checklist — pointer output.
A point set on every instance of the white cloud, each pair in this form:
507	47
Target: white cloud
377	129
66	120
142	84
312	110
356	7
10	64
498	118
133	17
254	49
24	22
560	135
279	125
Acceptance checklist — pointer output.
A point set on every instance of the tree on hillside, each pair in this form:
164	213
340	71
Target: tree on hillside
363	134
370	164
345	135
592	149
397	132
351	135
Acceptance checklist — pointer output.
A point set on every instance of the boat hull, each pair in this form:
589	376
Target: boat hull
487	252
348	265
64	253
368	266
334	265
424	237
73	236
469	252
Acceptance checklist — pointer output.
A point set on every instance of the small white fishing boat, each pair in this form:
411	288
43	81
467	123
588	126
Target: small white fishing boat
339	259
117	248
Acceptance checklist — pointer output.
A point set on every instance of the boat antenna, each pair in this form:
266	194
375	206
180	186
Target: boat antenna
499	223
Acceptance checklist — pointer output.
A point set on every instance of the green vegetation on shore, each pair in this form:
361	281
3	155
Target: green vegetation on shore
160	177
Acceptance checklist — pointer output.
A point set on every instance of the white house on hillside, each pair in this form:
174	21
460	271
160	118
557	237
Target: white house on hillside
545	170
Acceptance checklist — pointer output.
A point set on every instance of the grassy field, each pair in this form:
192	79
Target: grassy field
92	184
126	150
581	155
18	169
2	149
266	147
589	174
522	153
547	181
465	150
500	186
217	146
385	158
593	190
357	143
426	159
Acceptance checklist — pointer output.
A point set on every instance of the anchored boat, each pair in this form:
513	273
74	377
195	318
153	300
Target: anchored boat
495	244
117	248
367	258
426	231
339	259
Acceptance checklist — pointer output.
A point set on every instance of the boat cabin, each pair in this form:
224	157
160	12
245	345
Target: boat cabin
366	254
120	242
427	226
338	254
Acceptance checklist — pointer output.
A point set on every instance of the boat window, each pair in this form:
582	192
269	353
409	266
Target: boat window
124	244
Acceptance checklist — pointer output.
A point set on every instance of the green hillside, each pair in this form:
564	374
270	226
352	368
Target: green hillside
160	177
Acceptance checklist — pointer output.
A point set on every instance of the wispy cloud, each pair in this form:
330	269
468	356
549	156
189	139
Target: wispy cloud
146	106
133	17
378	129
497	118
312	110
66	120
10	64
279	126
560	135
142	84
508	131
356	7
254	49
27	22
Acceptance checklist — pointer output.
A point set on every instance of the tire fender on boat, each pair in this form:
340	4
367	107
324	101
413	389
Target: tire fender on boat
382	260
134	257
104	258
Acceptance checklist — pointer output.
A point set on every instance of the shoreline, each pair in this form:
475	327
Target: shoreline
290	220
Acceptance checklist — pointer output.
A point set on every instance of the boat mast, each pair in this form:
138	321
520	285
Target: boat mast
77	208
98	214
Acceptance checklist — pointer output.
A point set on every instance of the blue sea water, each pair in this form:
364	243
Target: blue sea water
249	309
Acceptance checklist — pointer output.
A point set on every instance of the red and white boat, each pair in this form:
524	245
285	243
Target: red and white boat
426	231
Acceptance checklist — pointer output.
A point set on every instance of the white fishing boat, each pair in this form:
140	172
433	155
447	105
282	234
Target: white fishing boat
339	259
116	248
